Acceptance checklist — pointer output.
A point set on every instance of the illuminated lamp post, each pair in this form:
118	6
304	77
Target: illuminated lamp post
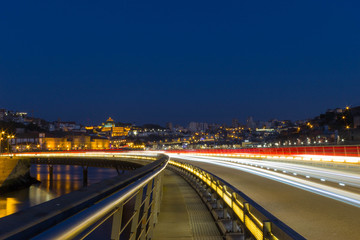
348	133
1	138
9	138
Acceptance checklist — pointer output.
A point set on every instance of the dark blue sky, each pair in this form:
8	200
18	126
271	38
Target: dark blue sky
157	61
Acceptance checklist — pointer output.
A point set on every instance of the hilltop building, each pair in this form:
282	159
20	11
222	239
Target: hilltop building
111	129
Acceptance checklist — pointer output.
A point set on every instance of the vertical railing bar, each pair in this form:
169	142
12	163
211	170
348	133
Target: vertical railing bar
146	205
116	224
151	220
137	206
156	204
132	235
128	222
142	231
96	226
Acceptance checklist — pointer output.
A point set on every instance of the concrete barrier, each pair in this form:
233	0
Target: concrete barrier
14	174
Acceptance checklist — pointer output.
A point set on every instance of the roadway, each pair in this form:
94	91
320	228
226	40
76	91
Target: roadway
318	203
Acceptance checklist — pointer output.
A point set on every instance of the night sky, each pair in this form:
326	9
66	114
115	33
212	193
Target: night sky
178	61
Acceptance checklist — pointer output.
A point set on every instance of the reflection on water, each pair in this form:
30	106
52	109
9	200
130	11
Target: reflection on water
64	179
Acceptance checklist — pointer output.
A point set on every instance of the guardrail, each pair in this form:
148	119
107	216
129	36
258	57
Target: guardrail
347	151
132	210
254	221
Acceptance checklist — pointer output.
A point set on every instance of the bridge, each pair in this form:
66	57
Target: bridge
249	193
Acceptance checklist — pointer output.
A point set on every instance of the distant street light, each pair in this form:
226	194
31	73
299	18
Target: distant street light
8	141
1	138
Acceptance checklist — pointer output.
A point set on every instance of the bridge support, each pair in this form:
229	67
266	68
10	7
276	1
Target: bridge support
51	175
119	171
85	176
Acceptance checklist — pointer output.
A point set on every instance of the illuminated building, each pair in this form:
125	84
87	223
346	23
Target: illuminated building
111	129
51	142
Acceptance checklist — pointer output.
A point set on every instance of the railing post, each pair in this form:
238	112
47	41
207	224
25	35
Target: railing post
226	211
135	220
146	209
235	226
345	151
116	224
246	211
155	208
267	230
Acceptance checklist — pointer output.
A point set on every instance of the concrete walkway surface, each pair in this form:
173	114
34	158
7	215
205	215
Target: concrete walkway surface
183	215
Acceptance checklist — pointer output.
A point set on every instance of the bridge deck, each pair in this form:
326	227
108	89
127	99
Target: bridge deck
183	215
311	215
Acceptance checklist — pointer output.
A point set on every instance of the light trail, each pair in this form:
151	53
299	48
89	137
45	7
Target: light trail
350	179
330	192
258	167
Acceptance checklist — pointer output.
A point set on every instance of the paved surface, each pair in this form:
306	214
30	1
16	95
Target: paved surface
311	215
182	213
333	172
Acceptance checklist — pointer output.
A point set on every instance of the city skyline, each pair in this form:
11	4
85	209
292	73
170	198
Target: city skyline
237	121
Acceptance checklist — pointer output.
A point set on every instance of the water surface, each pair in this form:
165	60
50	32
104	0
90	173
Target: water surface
66	178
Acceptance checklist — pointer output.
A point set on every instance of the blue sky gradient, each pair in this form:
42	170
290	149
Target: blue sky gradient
179	61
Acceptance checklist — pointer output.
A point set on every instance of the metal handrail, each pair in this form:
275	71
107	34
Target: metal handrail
76	224
42	217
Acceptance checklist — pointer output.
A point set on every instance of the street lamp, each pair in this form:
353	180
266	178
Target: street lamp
12	137
1	138
9	139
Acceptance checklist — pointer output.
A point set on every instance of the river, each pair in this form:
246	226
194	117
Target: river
66	178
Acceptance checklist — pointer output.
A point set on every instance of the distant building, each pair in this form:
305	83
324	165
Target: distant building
48	141
11	116
170	126
2	114
27	141
355	112
193	126
235	123
198	127
69	126
357	122
111	129
250	123
180	128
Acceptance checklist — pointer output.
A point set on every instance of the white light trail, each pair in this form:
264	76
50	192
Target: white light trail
330	192
336	176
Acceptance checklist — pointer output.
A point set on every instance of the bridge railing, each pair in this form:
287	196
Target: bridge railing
347	151
132	211
253	218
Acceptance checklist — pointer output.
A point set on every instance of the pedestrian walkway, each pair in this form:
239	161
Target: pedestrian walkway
183	215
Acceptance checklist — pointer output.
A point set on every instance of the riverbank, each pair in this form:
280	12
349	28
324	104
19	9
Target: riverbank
14	174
